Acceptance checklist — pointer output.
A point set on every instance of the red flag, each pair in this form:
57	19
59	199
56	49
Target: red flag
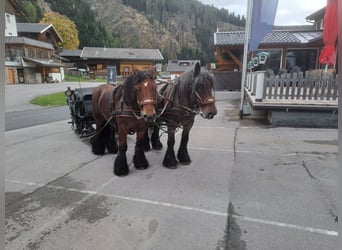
330	30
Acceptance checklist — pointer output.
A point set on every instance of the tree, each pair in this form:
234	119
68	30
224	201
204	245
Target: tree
65	28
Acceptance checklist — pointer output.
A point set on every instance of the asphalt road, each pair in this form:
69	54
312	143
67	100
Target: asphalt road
28	118
249	186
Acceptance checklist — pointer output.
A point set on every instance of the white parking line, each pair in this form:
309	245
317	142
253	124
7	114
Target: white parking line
182	207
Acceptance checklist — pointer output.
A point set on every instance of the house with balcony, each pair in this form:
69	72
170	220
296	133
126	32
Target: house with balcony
286	46
30	49
41	32
31	61
285	83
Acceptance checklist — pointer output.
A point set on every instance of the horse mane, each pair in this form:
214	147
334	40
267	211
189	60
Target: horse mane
187	86
184	85
206	75
129	95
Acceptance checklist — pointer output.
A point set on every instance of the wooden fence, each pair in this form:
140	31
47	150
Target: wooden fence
228	80
316	85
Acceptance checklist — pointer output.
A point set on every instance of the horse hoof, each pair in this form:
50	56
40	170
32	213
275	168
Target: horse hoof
171	167
141	167
98	152
121	172
185	162
140	162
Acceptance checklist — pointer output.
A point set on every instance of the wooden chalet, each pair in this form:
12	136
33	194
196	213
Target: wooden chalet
14	7
41	32
31	61
285	83
178	67
287	47
30	49
125	60
73	58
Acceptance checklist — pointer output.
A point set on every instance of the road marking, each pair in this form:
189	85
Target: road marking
286	225
182	207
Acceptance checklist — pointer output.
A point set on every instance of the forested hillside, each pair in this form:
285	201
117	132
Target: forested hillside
181	29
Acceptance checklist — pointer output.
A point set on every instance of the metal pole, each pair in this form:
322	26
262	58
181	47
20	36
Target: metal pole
2	125
245	50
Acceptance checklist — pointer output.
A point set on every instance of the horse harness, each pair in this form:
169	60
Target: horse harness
187	111
121	111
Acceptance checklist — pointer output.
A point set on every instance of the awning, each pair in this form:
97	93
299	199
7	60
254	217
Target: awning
43	62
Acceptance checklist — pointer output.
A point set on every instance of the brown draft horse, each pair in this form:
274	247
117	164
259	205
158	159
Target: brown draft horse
179	102
125	109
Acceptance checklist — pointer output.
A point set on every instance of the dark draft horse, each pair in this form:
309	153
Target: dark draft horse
124	109
178	103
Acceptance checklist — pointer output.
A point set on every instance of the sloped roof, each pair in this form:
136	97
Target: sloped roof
274	37
180	65
27	41
42	62
71	53
33	27
37	28
316	16
121	53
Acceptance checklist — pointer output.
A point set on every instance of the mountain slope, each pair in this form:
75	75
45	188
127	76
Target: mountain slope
181	29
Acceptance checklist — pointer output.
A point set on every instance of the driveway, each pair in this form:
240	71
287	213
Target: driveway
249	186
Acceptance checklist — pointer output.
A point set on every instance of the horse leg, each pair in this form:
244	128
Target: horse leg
170	160
155	140
145	141
120	163
183	154
97	142
111	144
139	159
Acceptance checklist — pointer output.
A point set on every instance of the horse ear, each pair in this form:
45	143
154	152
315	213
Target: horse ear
197	69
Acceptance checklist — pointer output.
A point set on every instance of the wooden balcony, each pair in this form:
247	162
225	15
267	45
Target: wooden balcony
314	90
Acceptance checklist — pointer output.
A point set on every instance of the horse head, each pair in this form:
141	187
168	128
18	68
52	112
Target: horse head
142	93
202	92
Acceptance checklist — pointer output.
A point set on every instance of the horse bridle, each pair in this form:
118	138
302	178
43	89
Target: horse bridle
200	101
144	101
207	100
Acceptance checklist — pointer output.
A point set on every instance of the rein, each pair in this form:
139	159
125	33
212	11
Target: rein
207	100
168	100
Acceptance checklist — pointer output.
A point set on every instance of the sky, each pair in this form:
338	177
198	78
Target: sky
290	12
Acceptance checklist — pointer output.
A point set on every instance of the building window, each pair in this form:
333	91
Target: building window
8	18
273	60
20	51
305	59
31	52
39	53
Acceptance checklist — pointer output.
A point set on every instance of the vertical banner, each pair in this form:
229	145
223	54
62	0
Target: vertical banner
263	15
330	32
111	74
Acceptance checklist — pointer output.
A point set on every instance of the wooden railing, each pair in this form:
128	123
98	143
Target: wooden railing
317	85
